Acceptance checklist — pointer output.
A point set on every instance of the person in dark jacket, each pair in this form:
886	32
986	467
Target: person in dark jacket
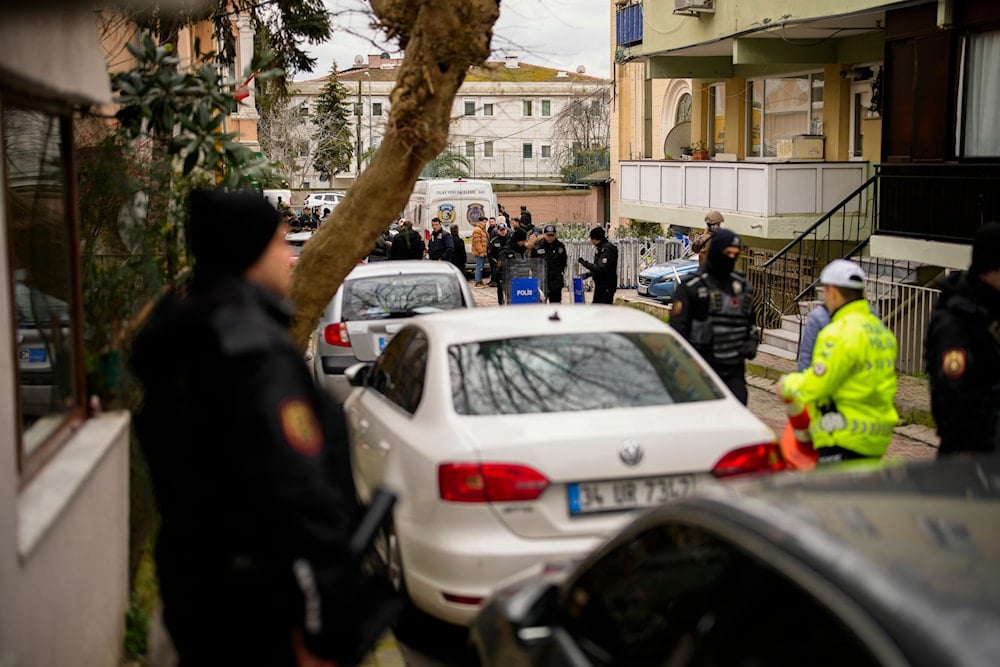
440	247
494	250
458	255
714	311
249	460
604	268
380	252
553	251
407	244
526	224
963	352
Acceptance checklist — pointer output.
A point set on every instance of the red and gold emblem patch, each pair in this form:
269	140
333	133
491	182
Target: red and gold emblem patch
953	363
300	427
677	307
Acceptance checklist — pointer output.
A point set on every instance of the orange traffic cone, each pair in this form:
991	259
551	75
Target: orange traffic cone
796	445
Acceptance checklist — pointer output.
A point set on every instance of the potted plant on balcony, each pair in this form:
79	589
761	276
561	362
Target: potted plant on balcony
699	151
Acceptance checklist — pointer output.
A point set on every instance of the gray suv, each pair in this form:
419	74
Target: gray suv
374	303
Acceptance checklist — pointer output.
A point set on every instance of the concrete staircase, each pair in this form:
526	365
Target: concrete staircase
784	342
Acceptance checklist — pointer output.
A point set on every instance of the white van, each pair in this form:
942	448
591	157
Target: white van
323	199
461	200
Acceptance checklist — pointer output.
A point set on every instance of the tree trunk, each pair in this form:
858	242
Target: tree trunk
442	40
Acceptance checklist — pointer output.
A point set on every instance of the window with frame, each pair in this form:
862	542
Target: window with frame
470	149
546	151
376	108
782	109
526	107
683	114
488	109
487	149
717	117
470	108
304	110
546	107
44	281
982	96
526	151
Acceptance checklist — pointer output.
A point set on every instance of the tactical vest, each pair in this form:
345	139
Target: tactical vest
723	336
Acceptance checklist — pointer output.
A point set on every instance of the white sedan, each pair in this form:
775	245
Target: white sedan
521	436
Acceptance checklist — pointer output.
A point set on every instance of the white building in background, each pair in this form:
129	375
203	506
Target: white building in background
503	119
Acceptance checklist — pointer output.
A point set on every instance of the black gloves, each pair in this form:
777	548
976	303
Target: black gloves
581	260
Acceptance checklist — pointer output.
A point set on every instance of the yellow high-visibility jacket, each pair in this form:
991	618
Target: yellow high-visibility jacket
850	387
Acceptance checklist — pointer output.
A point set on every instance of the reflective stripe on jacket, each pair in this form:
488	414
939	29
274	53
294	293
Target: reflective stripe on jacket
851	384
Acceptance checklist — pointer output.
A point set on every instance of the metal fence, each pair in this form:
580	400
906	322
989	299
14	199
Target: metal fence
906	310
634	256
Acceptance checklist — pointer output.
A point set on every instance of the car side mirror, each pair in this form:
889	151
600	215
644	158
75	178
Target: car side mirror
532	611
358	374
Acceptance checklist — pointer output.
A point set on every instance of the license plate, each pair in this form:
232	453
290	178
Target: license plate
642	289
33	355
626	494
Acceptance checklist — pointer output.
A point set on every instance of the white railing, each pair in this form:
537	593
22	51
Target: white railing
749	188
906	309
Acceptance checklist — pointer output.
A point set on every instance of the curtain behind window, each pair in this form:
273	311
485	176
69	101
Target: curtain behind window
982	124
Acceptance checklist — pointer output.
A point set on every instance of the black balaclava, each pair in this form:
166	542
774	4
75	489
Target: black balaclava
717	263
228	231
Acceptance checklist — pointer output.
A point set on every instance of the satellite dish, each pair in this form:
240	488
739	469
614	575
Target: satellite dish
581	69
383	55
359	60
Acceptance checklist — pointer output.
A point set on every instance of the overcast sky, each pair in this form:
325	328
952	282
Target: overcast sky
553	33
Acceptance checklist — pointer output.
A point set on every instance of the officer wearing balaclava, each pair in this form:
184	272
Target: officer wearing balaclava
714	311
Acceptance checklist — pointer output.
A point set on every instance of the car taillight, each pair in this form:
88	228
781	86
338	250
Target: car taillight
336	334
765	457
489	482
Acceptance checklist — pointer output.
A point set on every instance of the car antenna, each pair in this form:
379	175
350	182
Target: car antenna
554	317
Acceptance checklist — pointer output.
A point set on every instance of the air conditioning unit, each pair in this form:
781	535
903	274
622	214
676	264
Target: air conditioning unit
694	7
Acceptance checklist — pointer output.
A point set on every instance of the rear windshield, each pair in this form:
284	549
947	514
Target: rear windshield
385	297
572	372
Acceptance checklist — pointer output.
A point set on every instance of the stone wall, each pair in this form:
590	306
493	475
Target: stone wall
570	206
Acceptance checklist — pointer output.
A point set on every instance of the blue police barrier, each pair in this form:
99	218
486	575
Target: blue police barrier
578	290
524	290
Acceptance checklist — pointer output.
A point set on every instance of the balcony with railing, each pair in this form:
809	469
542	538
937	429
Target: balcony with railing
779	195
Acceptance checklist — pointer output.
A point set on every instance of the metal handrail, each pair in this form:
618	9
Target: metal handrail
792	272
826	216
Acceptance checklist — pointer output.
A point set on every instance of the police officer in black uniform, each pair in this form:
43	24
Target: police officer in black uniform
604	268
249	460
714	311
963	352
553	251
494	250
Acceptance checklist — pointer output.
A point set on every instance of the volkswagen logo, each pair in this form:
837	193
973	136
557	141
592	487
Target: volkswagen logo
630	452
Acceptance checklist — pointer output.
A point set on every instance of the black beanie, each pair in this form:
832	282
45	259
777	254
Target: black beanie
986	249
228	231
598	233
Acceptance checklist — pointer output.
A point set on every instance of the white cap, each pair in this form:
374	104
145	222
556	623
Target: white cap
843	273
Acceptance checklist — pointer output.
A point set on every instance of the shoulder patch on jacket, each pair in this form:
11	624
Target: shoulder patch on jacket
953	363
301	429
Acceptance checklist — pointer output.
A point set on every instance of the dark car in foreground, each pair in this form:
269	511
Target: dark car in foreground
895	566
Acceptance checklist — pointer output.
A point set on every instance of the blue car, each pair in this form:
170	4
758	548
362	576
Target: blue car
658	282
